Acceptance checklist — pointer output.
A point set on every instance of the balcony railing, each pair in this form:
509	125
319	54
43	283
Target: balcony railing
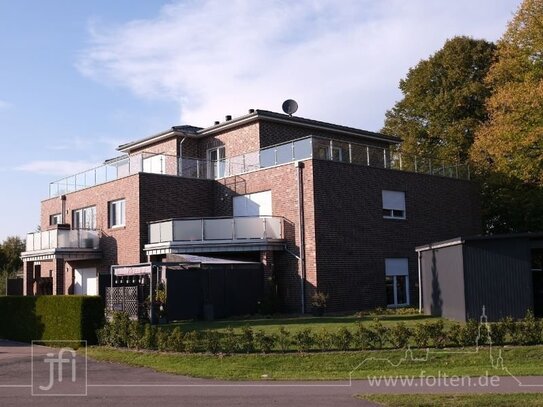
62	239
300	149
323	149
217	229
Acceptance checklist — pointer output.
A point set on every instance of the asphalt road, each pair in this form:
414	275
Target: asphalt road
120	385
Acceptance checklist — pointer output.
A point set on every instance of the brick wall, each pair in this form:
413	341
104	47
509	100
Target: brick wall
119	245
353	239
282	181
239	140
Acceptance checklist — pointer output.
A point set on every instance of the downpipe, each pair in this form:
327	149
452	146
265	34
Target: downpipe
299	177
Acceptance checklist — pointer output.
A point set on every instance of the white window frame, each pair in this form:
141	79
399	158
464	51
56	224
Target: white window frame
84	218
398	267
117	213
393	201
55	219
216	168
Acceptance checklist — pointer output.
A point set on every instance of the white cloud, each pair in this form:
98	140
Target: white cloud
341	60
59	168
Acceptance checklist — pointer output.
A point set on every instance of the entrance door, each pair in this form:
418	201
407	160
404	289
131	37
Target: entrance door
257	204
86	281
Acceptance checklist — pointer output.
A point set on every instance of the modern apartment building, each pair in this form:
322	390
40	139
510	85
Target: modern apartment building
319	206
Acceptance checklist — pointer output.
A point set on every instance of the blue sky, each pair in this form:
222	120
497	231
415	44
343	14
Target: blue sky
78	78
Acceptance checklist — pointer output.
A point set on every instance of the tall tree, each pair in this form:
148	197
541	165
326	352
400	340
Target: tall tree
511	142
443	100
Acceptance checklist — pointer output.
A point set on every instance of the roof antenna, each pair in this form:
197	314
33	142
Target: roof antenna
290	107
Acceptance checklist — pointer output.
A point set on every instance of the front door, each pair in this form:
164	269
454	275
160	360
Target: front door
85	281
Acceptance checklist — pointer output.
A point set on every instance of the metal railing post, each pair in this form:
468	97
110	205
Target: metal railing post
350	153
233	228
331	153
384	157
368	155
265	235
203	234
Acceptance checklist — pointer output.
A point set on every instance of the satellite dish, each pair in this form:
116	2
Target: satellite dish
290	106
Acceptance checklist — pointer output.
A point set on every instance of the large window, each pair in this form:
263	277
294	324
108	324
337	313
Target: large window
84	218
397	282
394	204
117	213
216	162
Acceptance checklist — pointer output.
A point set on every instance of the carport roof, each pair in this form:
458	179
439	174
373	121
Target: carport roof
462	239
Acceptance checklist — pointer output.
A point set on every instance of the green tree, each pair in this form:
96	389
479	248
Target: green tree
443	100
511	141
12	248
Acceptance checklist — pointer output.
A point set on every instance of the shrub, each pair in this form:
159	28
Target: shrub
135	333
469	333
265	342
51	317
381	333
318	302
324	340
175	341
400	335
436	331
230	341
247	340
148	340
454	334
343	339
421	335
529	330
192	342
511	328
365	338
162	339
497	332
303	340
212	342
283	339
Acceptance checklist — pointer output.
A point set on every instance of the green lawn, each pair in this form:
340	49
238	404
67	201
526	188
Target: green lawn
464	400
331	365
293	324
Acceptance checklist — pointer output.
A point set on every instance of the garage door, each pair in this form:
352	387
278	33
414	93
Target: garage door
85	281
258	204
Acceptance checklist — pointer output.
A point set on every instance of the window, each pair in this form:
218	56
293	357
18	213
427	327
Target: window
397	282
323	152
117	213
393	204
84	218
154	164
216	162
55	219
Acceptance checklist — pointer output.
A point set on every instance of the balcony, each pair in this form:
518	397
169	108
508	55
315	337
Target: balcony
322	149
300	149
62	243
199	235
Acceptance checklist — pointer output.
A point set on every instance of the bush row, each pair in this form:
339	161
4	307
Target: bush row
51	317
122	332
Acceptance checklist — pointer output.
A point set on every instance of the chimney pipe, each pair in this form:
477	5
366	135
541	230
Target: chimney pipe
251	111
228	117
216	122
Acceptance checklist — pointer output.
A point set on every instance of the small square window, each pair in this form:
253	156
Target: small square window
393	204
117	213
55	219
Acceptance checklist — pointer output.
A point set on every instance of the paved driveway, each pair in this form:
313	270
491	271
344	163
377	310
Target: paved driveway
120	385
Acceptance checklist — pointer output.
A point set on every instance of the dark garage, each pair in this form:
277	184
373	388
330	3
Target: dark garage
503	273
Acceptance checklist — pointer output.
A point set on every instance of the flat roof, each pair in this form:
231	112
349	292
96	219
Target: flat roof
463	239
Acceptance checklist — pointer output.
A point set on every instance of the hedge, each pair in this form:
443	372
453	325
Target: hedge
51	317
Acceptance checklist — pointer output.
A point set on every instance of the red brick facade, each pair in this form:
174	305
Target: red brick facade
346	237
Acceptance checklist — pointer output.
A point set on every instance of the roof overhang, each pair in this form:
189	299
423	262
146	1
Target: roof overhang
62	253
